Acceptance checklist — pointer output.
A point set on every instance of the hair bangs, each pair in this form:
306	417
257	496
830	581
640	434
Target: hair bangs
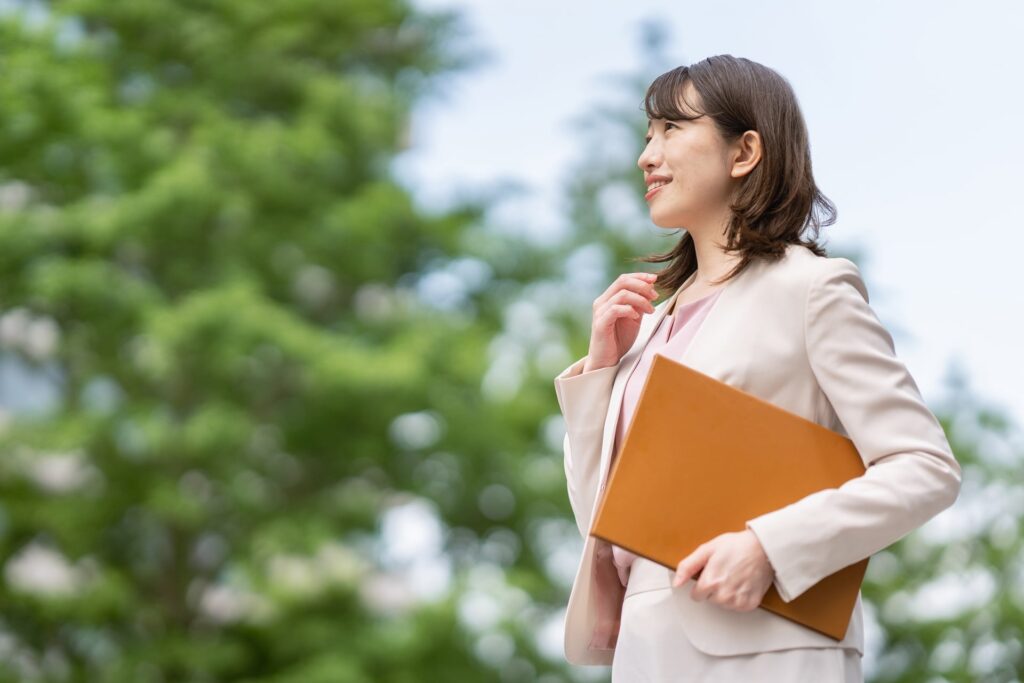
662	100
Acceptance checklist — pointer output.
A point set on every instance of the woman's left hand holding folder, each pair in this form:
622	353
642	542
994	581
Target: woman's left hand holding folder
732	570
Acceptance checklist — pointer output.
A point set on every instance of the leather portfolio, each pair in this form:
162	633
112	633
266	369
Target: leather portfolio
702	457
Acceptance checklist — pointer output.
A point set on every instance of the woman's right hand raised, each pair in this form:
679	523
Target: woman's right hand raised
617	316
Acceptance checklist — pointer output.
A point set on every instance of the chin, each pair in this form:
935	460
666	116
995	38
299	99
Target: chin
667	222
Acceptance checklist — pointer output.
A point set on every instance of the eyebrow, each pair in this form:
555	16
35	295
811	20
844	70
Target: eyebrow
675	121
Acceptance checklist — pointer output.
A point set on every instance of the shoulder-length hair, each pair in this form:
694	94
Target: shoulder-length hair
778	201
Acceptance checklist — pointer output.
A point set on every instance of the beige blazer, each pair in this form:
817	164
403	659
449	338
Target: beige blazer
800	334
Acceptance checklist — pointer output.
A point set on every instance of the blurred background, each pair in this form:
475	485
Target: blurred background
284	287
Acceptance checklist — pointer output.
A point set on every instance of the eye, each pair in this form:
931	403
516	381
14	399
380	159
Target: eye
647	139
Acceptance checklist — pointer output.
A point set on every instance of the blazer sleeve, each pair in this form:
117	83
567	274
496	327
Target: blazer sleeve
911	474
583	398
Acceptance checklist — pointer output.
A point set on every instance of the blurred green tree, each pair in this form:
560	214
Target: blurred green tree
229	374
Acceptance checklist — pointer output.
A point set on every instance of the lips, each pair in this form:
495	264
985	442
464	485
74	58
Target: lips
653	191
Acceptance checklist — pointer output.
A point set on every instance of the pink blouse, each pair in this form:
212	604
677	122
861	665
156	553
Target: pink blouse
673	335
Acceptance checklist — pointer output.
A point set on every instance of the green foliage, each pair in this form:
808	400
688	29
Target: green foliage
207	264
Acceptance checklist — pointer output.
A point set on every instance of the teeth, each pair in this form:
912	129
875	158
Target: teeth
658	183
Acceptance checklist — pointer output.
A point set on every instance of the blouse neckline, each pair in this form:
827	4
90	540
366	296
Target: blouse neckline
691	304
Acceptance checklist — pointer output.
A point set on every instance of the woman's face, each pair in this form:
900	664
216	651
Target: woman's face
698	164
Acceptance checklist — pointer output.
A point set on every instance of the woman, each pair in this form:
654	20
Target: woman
756	304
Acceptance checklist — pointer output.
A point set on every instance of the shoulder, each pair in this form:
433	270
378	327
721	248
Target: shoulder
800	271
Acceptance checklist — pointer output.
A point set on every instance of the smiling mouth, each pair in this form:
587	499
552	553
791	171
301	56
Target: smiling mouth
654	190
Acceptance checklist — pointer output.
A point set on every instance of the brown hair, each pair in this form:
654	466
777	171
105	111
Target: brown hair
776	201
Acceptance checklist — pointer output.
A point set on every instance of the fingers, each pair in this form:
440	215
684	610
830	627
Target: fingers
709	587
692	564
716	582
746	605
723	596
616	317
624	304
640	284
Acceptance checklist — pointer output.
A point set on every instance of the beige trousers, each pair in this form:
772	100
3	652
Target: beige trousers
652	648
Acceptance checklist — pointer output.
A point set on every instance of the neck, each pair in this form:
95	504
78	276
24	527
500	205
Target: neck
713	262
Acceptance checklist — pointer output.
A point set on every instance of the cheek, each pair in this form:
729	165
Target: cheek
705	171
694	162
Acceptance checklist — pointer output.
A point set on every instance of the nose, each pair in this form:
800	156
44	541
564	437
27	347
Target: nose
649	158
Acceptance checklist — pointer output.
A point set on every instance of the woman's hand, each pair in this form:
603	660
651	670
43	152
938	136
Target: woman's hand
734	571
617	315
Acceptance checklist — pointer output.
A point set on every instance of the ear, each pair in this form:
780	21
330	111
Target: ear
747	155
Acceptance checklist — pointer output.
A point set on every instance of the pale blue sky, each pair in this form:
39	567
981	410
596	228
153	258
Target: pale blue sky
913	111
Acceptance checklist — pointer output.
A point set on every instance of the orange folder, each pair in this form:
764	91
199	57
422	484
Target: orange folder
702	457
